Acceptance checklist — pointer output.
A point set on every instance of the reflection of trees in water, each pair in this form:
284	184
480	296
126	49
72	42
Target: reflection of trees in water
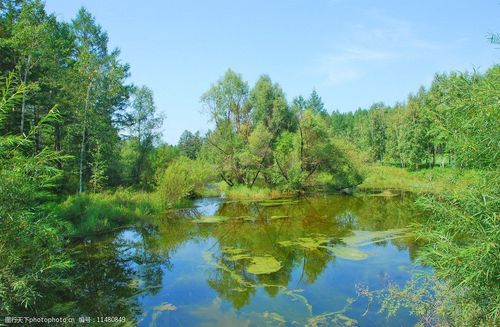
112	270
333	216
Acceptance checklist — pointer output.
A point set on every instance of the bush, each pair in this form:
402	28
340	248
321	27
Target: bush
463	241
182	179
101	212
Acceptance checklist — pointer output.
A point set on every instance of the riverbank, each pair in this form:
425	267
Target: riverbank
100	212
436	181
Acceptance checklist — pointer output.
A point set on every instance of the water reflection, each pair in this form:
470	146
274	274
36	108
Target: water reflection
276	263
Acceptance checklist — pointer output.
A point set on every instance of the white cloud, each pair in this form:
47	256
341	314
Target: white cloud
347	64
375	39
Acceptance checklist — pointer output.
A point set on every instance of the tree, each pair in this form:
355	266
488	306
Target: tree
100	95
227	101
315	103
143	134
377	131
269	107
190	144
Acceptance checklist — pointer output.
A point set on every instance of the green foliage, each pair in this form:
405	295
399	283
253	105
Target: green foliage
463	232
102	212
98	170
31	239
190	144
183	178
137	169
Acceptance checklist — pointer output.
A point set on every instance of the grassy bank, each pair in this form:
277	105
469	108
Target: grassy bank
242	192
436	181
100	212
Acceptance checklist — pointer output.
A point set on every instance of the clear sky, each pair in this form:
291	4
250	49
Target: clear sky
353	52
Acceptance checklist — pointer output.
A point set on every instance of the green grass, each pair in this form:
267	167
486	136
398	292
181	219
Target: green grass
437	180
95	213
241	192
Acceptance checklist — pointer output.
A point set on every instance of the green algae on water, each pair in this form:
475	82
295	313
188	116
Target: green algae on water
277	202
278	217
318	241
348	253
263	265
210	219
313	242
165	306
362	238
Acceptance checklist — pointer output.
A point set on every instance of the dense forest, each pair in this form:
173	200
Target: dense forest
76	135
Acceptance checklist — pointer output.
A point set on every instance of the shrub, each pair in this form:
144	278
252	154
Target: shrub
183	178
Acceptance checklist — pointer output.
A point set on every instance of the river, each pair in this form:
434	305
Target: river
278	262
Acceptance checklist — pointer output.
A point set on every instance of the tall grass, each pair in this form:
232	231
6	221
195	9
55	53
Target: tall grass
101	212
436	181
242	192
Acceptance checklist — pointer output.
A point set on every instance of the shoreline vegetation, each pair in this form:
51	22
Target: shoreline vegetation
105	211
81	154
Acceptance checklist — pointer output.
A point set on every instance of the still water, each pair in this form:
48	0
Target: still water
271	263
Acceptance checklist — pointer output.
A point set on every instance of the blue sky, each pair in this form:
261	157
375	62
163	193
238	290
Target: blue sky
354	53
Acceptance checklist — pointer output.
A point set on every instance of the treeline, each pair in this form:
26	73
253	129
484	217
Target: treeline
454	123
69	122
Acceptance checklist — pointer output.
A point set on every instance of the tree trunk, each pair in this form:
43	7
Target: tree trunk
82	146
38	133
23	103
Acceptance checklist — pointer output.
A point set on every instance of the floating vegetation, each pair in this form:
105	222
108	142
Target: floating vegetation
210	219
332	319
165	306
313	242
278	217
348	253
277	202
159	309
319	241
210	259
362	238
235	254
274	318
294	294
263	265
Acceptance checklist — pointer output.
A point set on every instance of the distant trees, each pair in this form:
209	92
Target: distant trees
190	144
454	122
143	127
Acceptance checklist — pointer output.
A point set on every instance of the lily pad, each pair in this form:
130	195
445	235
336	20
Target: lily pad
263	265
